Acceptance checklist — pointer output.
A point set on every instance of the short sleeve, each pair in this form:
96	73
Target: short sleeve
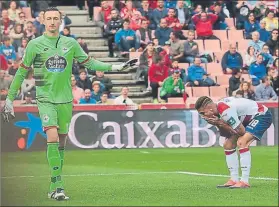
229	114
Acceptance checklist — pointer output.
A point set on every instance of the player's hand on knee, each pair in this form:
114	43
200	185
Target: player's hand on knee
8	111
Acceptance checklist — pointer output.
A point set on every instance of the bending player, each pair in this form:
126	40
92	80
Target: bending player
52	57
242	121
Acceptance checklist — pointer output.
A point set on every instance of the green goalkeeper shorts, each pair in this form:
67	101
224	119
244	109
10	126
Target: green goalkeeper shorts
56	115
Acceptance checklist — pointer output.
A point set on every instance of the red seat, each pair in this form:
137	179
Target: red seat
230	22
226	45
223	80
235	34
134	55
218	91
218	56
176	100
188	90
200	91
214	68
221	34
183	65
242	45
212	45
200	44
246	77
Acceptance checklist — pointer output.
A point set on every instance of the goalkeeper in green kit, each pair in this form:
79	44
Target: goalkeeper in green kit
52	56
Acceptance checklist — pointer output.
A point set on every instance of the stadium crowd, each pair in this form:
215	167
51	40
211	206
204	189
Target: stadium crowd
185	48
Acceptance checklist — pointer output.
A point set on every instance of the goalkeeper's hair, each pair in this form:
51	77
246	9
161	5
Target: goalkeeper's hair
202	102
52	9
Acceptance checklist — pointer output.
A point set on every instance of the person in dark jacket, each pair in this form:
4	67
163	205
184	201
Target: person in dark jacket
234	82
146	12
105	83
83	81
183	14
257	70
89	5
264	34
83	45
113	26
162	33
251	25
159	13
273	41
232	61
144	34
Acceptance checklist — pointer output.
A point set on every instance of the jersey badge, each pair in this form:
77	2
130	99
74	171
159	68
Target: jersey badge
231	121
56	64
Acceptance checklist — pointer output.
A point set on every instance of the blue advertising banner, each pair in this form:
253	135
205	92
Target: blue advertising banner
124	129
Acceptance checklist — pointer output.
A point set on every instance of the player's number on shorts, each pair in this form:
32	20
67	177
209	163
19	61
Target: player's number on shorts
254	123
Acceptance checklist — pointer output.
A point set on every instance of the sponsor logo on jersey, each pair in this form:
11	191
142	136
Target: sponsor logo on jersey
56	64
45	118
231	121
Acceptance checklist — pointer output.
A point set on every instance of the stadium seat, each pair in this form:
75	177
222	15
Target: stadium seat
223	80
27	12
235	35
188	90
218	56
176	100
133	55
221	34
230	22
200	91
246	77
191	101
218	91
242	45
200	44
185	33
183	65
226	45
214	69
97	9
212	45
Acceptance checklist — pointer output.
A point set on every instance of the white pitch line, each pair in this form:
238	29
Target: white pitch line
139	173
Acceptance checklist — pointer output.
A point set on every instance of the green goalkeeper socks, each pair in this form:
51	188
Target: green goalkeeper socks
61	152
53	157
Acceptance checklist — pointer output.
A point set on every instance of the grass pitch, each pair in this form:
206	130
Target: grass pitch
139	177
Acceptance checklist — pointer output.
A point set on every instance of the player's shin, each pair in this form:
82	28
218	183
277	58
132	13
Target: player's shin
62	144
54	161
233	164
245	163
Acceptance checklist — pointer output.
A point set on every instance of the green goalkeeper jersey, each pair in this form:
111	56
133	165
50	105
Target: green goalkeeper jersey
52	60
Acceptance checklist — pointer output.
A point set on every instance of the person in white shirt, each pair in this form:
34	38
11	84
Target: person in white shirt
123	98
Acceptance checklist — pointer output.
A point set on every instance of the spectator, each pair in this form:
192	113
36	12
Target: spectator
28	99
145	61
126	39
234	82
256	43
118	4
144	34
276	54
28	85
264	91
250	25
17	35
127	12
123	98
89	5
153	4
7	23
274	78
197	75
157	73
96	91
29	31
162	33
204	25
136	21
39	23
113	26
198	9
249	57
183	14
104	99
271	21
83	45
172	21
243	8
3	62
175	67
67	32
245	88
87	98
170	4
158	14
66	21
4	82
273	41
232	60
177	47
8	50
239	94
191	49
22	20
104	82
13	11
104	15
37	6
257	70
83	81
146	12
220	23
267	57
264	35
78	93
260	9
22	48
